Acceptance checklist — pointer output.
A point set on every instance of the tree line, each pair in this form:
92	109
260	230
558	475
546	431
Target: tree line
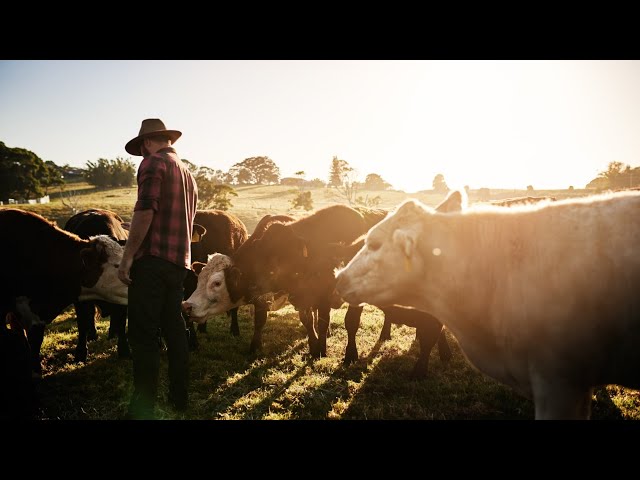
25	175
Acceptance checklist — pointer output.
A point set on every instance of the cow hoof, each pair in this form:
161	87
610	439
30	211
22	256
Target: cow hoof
314	351
254	347
235	330
350	356
80	355
384	337
124	351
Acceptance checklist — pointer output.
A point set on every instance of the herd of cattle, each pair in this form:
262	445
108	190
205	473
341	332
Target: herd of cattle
542	296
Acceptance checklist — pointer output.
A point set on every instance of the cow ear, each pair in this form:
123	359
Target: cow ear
233	276
197	267
89	256
453	203
405	240
197	232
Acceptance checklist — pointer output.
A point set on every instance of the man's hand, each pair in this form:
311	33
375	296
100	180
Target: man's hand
123	270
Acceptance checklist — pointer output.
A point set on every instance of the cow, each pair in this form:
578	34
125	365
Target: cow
429	330
225	233
294	258
210	281
543	298
86	224
45	269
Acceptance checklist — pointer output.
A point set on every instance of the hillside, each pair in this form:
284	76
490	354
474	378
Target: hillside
252	202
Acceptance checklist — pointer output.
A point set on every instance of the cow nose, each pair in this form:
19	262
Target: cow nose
186	308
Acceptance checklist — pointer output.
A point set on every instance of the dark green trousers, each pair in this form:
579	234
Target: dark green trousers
155	297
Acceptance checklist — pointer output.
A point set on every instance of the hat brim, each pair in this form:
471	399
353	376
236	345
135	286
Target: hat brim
133	146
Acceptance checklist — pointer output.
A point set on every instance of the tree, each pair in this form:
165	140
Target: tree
111	173
369	202
215	196
22	173
123	172
54	176
375	182
191	166
439	185
617	176
530	189
256	171
302	200
336	172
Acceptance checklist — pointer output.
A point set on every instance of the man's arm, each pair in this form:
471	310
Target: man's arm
140	223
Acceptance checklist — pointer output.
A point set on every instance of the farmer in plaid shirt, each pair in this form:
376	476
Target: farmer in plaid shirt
154	265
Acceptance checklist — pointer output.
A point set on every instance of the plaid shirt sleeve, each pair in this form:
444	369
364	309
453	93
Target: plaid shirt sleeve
150	177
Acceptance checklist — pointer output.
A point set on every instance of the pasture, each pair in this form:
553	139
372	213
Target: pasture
281	382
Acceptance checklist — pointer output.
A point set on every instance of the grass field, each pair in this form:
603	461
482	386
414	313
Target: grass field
281	382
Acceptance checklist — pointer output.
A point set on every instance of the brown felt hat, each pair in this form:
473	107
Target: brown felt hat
149	128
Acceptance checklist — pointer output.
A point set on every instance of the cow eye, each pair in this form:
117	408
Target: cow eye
217	284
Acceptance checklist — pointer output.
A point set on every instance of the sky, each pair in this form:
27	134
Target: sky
494	124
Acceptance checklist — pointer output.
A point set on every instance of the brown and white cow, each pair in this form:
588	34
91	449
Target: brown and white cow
49	268
543	298
210	295
225	234
87	224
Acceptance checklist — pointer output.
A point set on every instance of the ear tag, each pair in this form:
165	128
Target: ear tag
195	237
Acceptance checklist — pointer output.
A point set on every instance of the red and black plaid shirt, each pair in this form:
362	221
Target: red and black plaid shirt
166	186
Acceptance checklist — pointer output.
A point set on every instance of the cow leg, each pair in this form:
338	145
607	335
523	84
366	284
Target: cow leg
443	347
385	333
35	337
92	332
259	320
324	312
85	315
306	318
118	323
235	328
352	324
202	327
315	315
428	333
560	401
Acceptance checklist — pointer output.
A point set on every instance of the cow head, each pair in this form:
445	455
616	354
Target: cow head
99	272
281	260
389	247
211	295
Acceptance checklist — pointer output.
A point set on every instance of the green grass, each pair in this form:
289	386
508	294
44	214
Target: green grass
281	382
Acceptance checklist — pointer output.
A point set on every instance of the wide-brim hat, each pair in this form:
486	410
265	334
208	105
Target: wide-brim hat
149	128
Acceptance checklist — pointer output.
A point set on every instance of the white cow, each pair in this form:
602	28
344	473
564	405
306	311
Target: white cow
544	298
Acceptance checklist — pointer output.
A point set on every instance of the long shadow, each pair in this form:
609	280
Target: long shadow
451	390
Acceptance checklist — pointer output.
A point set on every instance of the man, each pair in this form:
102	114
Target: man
154	265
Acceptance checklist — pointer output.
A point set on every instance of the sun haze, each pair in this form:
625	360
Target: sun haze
496	124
